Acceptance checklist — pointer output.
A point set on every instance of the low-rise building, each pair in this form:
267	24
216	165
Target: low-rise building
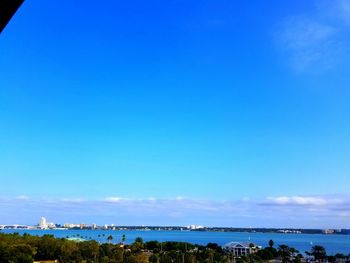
240	248
69	225
328	231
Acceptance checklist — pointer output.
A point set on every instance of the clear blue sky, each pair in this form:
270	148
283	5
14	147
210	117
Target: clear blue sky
162	104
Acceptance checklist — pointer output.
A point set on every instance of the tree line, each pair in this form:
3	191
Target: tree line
15	248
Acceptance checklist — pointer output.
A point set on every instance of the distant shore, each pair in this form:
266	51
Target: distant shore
181	228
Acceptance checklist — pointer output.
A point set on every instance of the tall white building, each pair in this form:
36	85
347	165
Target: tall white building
43	223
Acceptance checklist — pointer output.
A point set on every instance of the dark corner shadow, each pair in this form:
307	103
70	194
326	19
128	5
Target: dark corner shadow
7	9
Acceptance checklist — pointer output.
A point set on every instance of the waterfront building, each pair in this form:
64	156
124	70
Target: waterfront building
43	223
69	225
328	231
50	225
240	248
195	227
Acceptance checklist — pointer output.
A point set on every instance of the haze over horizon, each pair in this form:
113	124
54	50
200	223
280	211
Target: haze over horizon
225	113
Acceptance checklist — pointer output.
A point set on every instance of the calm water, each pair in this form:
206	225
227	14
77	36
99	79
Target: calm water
302	242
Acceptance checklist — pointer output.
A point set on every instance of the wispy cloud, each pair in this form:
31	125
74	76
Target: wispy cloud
280	211
297	200
338	9
316	40
22	197
114	199
334	209
72	200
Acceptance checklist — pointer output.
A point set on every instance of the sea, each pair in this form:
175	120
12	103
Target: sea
303	242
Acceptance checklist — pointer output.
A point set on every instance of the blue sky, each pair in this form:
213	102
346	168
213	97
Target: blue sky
230	113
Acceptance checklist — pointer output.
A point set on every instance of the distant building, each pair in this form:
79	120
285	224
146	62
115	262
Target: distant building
239	249
51	225
43	223
328	231
289	231
69	225
194	227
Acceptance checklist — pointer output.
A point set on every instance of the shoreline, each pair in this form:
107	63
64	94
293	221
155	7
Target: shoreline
288	231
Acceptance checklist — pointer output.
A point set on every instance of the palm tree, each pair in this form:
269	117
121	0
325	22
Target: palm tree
319	252
123	242
284	253
109	238
340	256
293	251
210	253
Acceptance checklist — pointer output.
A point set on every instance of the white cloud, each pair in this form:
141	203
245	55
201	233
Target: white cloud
344	214
298	200
302	33
22	197
280	211
72	200
114	199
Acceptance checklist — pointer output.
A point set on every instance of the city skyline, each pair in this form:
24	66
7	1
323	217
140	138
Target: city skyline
231	113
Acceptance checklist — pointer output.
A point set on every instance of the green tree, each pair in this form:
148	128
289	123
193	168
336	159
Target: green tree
89	250
215	247
47	248
139	240
152	245
319	253
138	245
68	250
293	252
284	253
137	258
265	254
153	258
21	253
165	258
109	238
340	256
